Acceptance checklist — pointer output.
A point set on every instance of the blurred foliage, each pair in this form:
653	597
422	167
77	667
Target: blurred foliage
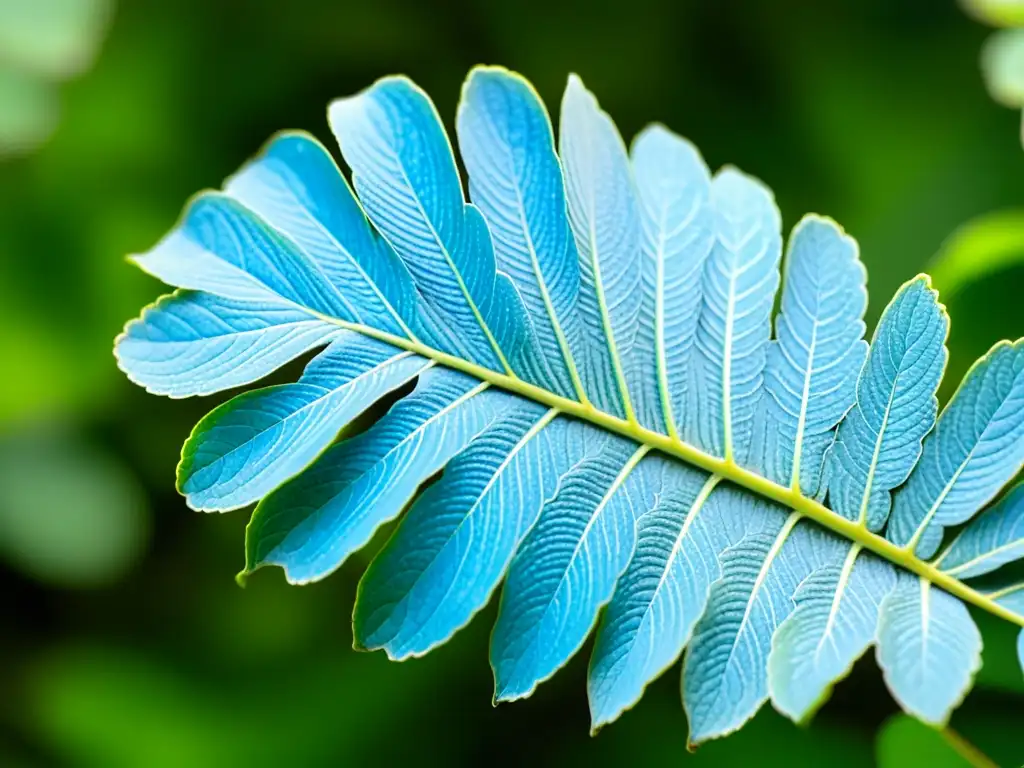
984	246
1002	57
1002	61
42	43
30	111
121	650
69	514
1000	672
113	707
1001	13
903	736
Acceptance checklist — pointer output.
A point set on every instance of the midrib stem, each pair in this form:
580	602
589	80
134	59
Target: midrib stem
726	468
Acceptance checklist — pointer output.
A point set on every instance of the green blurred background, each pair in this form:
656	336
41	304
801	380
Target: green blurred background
125	640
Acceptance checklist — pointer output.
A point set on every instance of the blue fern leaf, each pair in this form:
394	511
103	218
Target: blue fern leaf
516	180
221	247
992	540
739	282
450	552
251	444
605	223
976	448
405	174
879	440
312	524
673	189
725	678
928	647
812	366
295	187
605	419
656	601
662	593
836	616
567	565
197	343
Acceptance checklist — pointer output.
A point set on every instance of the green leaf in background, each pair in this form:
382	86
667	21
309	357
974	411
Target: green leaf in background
905	741
999	13
1002	62
29	108
981	247
69	515
42	43
55	39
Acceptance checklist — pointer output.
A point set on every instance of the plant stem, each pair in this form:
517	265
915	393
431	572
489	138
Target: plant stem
966	750
791	498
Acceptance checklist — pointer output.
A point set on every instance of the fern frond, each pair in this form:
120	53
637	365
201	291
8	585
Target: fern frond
624	442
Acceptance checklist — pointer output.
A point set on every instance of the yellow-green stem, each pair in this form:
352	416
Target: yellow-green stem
966	750
791	498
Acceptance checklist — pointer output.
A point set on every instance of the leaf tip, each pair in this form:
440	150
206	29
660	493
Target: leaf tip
737	190
922	282
508	694
491	72
598	720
